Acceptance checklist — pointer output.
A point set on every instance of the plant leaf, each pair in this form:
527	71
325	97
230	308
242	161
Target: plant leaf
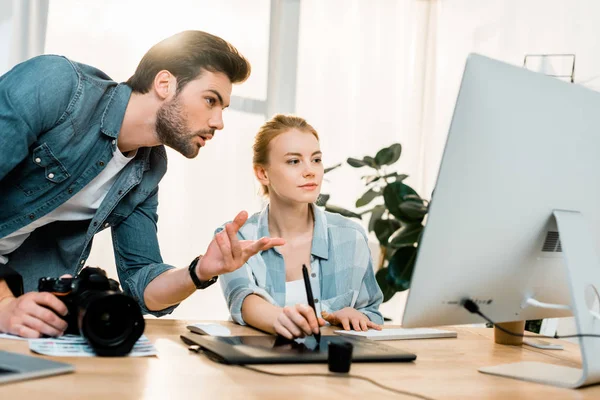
401	266
407	235
393	195
370	162
388	155
390	252
399	177
341	211
413	210
322	199
383	156
332	168
356	163
367	197
384	228
376	215
386	288
396	150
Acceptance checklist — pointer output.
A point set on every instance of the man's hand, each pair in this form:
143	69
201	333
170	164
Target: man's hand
297	321
347	316
32	315
226	252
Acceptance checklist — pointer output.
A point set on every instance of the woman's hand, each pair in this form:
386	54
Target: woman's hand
298	321
350	316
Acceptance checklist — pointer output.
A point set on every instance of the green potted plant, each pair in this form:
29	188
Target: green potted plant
397	220
396	217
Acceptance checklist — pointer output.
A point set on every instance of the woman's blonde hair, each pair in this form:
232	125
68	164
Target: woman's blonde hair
270	130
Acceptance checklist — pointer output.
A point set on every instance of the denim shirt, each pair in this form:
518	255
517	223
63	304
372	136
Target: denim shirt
341	268
59	125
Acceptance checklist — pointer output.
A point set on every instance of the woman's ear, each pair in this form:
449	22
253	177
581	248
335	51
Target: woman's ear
261	174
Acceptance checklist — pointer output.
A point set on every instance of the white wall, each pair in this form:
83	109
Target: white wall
6	13
505	30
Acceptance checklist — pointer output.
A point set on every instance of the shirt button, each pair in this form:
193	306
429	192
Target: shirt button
95	223
70	190
38	160
114	142
313	275
82	262
101	163
106	225
50	175
120	192
31	216
316	301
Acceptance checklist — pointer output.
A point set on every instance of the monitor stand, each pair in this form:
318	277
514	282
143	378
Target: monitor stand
583	273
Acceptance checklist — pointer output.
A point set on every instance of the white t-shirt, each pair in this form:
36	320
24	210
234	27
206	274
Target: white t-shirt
81	206
295	293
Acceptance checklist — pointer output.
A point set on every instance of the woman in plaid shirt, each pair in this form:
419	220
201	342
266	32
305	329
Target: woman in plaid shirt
268	291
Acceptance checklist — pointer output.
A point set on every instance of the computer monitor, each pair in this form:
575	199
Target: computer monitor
522	154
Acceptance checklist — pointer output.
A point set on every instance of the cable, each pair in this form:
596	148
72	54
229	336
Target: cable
473	308
364	378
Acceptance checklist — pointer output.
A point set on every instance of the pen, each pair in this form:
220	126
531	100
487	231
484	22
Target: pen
311	300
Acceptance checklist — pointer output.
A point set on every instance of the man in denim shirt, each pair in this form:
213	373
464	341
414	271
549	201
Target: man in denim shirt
80	153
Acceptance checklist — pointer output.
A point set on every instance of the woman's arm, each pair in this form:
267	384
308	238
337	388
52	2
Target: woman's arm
370	296
290	322
259	313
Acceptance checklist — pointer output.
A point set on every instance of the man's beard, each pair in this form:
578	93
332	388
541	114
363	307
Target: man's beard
172	129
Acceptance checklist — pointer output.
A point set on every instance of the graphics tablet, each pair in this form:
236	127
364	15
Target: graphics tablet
277	350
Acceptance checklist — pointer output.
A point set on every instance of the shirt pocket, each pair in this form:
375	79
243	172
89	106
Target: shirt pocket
42	171
336	303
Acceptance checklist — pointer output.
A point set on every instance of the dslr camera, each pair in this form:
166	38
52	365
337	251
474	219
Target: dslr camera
110	320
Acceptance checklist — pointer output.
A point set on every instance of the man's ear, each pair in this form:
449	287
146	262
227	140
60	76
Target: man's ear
165	84
261	174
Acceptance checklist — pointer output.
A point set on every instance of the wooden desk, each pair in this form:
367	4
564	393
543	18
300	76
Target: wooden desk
444	369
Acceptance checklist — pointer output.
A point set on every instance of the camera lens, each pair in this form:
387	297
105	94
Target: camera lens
111	322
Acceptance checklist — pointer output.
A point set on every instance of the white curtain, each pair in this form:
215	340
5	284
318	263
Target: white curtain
22	30
363	69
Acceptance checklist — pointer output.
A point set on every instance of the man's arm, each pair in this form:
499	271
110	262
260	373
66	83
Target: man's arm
31	314
225	253
158	286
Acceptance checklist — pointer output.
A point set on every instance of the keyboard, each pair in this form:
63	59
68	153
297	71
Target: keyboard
400	333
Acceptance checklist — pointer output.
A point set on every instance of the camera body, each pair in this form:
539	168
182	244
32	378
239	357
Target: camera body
111	321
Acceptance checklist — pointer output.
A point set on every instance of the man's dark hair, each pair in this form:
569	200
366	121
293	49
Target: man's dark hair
186	55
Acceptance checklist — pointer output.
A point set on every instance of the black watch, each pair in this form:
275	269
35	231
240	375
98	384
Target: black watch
197	282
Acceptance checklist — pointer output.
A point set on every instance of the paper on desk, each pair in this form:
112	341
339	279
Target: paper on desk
9	336
77	346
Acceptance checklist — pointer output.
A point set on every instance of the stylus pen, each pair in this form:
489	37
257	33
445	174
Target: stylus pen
311	300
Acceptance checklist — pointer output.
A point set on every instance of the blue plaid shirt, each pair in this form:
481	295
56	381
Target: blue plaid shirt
341	268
